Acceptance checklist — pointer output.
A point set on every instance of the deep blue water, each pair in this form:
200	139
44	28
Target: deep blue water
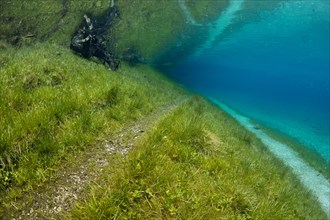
274	69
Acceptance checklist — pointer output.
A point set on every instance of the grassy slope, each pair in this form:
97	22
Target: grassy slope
53	103
198	163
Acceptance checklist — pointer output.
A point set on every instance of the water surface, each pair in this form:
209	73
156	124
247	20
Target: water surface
273	69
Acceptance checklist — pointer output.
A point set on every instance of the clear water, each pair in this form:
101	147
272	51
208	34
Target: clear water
274	69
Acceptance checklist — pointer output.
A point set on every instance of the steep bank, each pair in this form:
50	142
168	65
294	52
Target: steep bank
58	109
54	102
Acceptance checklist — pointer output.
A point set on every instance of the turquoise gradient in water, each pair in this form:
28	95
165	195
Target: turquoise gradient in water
274	70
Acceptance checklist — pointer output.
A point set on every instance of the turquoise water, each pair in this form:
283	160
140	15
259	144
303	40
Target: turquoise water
315	183
274	69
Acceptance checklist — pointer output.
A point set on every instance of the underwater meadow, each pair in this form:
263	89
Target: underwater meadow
164	109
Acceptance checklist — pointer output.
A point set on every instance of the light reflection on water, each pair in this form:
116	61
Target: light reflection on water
273	68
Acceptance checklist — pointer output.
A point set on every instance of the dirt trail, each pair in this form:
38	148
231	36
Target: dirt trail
72	181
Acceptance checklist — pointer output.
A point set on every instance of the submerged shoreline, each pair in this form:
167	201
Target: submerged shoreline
314	182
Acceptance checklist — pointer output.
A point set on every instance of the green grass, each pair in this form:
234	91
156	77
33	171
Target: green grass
54	103
195	163
198	163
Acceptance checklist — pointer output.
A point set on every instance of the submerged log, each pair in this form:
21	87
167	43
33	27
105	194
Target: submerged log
90	38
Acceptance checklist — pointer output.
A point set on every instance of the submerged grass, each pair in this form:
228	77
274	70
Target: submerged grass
198	163
142	23
54	103
148	27
195	163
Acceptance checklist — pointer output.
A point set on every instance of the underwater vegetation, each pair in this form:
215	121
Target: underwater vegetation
183	166
142	22
78	141
197	163
53	102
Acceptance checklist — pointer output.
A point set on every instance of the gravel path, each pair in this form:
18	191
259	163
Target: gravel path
71	182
